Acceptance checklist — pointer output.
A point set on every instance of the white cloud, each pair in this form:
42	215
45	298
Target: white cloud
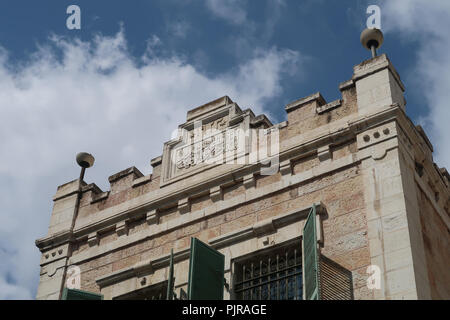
230	10
93	96
427	23
11	291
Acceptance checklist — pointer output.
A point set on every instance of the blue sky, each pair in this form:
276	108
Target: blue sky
324	32
119	86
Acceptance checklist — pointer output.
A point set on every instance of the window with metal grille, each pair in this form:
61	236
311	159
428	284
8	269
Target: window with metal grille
273	274
154	292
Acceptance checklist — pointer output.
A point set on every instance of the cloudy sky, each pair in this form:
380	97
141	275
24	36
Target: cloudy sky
119	86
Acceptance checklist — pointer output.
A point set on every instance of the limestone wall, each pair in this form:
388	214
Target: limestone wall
345	228
437	243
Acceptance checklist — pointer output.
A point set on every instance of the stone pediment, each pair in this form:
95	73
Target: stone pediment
209	137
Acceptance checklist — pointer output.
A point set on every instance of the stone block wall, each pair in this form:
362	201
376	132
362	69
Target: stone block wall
437	243
345	227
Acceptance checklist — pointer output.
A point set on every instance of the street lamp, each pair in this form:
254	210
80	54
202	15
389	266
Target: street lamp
372	39
84	160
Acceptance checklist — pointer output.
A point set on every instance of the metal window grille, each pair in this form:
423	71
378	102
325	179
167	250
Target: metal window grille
276	275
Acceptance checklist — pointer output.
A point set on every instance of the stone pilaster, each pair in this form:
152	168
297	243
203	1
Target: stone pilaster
54	259
391	220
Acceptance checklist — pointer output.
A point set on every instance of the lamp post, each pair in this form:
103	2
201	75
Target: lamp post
85	160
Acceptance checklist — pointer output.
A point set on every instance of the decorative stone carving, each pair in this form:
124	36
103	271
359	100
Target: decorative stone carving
214	136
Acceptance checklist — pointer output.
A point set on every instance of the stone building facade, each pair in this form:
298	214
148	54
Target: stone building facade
368	169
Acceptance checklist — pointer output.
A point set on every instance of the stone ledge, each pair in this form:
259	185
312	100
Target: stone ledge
424	136
67	189
122	174
249	181
142	180
122	228
346	85
324	153
152	217
100	197
329	106
216	193
261	120
266	226
51	242
93	239
115	277
91	187
156	161
301	102
208	108
184	205
279	126
239	117
286	167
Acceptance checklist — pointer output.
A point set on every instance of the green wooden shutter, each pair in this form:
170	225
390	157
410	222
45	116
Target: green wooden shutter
310	262
74	294
170	281
206	272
